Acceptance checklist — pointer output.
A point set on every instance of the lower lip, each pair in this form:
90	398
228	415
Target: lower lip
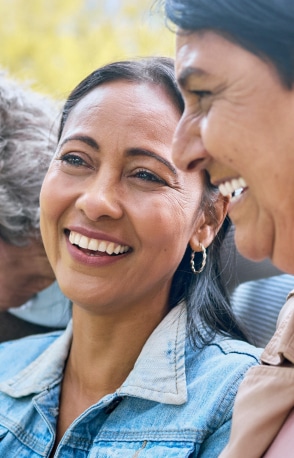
95	261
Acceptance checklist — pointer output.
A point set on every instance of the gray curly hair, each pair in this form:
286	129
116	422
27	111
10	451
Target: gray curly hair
28	139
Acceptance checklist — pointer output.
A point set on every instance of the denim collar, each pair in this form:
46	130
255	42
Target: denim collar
158	375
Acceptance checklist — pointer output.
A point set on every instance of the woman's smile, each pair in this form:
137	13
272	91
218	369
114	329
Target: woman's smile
81	248
94	245
233	187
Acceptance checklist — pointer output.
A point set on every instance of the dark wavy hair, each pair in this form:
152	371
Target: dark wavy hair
263	27
208	307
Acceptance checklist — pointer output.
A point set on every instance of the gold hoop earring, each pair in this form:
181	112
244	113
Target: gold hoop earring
204	256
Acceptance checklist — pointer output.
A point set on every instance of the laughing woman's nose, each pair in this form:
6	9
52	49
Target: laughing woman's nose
188	149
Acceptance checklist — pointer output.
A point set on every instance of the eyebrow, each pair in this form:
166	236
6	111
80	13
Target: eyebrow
131	152
142	152
187	73
81	138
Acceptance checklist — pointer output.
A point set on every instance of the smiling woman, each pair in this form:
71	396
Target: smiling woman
121	228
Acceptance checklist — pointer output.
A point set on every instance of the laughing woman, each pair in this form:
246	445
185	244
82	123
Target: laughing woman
235	65
151	363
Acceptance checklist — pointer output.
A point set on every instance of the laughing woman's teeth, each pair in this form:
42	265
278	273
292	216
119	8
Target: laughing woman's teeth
223	190
230	187
242	183
235	184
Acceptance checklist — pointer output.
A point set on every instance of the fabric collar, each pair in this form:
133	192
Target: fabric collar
47	308
280	348
158	375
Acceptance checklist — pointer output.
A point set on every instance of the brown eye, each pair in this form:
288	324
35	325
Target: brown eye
204	100
201	94
148	176
73	159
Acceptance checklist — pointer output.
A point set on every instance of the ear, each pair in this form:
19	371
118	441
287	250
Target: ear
209	223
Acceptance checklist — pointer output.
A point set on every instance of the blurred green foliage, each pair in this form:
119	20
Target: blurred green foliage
55	43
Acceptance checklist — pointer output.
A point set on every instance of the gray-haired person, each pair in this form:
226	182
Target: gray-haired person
27	143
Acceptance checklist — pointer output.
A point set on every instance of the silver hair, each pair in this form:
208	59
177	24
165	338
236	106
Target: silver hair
28	138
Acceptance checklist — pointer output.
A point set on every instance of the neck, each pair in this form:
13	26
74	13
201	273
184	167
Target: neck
106	347
104	350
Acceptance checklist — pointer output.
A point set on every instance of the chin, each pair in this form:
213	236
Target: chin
249	248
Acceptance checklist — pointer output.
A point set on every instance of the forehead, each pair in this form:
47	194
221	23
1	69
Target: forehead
206	49
126	100
127	113
209	56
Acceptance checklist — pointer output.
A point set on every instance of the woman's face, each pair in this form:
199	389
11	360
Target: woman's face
238	124
116	215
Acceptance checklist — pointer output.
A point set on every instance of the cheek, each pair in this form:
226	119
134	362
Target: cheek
46	209
170	225
49	199
220	138
157	224
53	202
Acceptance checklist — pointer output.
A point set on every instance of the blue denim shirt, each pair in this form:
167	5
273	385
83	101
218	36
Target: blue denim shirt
176	402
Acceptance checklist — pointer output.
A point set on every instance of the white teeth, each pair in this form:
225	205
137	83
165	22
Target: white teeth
102	246
242	182
224	190
96	245
93	245
110	248
117	249
77	238
71	237
74	238
234	186
84	242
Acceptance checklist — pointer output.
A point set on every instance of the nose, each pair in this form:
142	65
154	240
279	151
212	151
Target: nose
188	149
101	197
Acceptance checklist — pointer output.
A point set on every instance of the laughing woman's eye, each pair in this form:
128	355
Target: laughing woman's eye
202	94
203	100
149	176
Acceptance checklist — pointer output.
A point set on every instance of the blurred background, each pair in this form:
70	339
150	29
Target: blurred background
53	44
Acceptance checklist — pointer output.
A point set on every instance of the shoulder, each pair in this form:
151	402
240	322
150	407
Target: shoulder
15	355
225	354
228	346
216	371
233	357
